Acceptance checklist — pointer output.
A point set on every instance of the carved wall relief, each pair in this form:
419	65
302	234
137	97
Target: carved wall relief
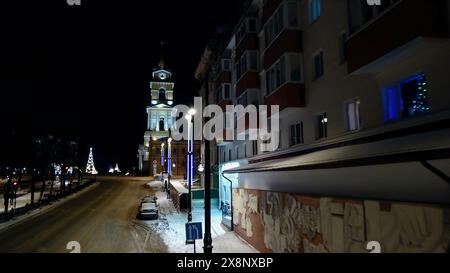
338	226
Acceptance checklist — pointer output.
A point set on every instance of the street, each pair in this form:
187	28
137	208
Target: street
102	220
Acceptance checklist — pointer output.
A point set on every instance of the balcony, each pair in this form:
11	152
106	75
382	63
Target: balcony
248	42
221	137
269	8
223	103
249	80
288	95
397	29
289	40
249	129
223	77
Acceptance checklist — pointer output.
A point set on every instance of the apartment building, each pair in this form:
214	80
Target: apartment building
364	114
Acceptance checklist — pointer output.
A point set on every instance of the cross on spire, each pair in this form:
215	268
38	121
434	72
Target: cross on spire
161	57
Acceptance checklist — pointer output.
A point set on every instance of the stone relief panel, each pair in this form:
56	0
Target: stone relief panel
244	204
412	228
340	226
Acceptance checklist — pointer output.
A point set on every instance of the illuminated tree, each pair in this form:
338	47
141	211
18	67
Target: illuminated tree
90	168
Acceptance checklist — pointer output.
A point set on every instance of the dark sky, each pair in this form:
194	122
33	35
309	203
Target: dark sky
83	72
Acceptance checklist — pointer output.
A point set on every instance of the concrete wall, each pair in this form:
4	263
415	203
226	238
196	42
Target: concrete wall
283	222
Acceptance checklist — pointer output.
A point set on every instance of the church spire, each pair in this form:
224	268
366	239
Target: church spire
161	57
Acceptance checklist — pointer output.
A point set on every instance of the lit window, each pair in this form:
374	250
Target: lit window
353	117
314	10
408	98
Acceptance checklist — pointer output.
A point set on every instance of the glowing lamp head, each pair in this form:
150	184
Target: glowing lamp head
192	112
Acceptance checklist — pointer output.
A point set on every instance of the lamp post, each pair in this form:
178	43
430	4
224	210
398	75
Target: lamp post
190	160
190	164
169	156
162	158
163	167
169	160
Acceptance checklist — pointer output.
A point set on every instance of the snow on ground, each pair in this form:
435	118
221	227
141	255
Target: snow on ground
171	226
24	197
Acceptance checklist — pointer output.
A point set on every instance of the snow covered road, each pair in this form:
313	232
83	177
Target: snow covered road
101	220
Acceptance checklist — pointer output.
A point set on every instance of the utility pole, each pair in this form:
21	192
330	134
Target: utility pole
207	241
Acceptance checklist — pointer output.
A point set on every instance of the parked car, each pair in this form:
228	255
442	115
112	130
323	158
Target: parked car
149	199
148	211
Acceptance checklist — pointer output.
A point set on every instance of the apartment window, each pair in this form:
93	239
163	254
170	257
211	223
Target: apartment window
245	150
248	62
222	65
318	65
343	47
297	134
314	10
293	12
250	25
405	99
286	16
226	65
353	116
360	13
224	92
243	100
224	156
255	147
229	155
322	122
237	152
286	69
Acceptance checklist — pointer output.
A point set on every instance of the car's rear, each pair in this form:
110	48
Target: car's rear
148	211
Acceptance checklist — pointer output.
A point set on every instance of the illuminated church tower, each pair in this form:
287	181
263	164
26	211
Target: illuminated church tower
159	122
159	119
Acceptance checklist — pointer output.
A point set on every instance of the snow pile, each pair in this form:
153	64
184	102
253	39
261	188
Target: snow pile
171	227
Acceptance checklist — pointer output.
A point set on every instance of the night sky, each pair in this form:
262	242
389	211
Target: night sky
82	73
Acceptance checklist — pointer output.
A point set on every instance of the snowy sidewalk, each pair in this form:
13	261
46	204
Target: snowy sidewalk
171	226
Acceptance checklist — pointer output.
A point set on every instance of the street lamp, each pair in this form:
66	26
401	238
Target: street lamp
169	161
192	112
162	157
169	156
190	160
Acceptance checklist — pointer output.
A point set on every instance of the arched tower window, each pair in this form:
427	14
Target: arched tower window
162	94
161	124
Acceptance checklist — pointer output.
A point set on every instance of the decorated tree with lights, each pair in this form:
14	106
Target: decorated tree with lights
116	169
90	168
420	103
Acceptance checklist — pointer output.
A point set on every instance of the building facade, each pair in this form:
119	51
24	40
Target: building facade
364	110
